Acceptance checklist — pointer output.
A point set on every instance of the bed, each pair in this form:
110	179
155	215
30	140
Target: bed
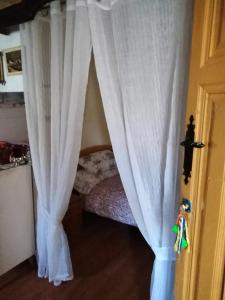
101	186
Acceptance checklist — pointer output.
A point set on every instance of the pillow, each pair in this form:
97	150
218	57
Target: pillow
109	173
98	161
94	168
85	181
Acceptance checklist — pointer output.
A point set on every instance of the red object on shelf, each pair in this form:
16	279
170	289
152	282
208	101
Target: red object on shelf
10	151
5	152
3	145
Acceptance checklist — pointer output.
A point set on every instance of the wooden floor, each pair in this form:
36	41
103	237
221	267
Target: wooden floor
111	262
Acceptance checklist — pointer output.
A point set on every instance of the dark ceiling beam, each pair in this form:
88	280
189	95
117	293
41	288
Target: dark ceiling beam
4	31
20	13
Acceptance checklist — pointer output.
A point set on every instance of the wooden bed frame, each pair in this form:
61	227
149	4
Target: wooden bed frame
107	213
93	149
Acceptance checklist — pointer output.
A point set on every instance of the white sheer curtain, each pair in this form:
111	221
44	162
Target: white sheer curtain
56	54
141	54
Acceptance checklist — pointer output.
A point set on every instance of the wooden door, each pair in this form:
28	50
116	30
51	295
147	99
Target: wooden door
200	273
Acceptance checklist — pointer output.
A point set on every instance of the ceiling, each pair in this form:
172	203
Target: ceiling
7	3
14	12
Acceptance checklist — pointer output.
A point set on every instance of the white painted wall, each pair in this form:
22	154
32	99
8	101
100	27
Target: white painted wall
14	83
95	131
13	125
12	120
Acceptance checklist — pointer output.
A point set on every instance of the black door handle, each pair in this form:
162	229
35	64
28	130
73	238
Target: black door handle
189	144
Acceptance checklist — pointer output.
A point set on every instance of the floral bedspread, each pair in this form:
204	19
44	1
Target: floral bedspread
108	199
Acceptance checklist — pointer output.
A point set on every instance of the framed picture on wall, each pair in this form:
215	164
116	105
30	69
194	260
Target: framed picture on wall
2	77
13	61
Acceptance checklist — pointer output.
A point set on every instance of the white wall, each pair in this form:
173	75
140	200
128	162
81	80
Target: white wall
14	83
12	120
95	130
13	125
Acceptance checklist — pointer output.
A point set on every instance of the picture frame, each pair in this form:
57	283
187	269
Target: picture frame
13	61
2	76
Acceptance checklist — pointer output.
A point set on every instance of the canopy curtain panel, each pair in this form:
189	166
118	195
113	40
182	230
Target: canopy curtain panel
56	55
141	53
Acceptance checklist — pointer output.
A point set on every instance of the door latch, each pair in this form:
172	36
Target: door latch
189	144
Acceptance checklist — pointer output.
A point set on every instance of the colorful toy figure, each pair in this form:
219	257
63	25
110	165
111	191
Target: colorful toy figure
181	227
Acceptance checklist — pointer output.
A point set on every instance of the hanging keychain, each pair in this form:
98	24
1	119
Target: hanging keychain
181	227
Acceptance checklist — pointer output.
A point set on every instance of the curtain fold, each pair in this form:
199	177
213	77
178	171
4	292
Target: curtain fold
141	56
56	53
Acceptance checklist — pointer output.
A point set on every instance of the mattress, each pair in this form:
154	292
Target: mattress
108	199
